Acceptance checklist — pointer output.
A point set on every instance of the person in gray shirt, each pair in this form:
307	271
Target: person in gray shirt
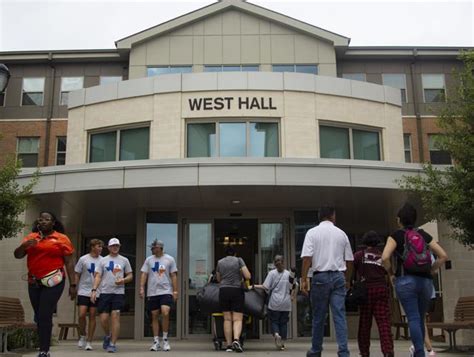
281	286
160	274
229	272
113	272
84	278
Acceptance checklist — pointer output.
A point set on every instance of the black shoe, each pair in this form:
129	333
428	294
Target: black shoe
44	354
237	346
313	354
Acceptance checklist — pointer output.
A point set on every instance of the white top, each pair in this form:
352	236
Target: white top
159	272
278	285
328	246
86	266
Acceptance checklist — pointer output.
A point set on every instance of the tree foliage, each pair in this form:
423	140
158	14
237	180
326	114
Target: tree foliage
447	193
14	198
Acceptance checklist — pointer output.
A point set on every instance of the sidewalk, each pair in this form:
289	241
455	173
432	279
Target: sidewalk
206	349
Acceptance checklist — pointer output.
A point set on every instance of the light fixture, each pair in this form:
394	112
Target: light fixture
4	77
235	202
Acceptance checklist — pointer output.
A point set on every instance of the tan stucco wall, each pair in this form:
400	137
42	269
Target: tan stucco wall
232	38
299	114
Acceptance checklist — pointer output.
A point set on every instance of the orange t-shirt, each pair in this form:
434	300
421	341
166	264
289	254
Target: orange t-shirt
48	254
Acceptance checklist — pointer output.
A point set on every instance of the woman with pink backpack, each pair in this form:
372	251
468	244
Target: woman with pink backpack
414	271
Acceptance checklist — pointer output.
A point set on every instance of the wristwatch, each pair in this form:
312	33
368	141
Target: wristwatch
94	290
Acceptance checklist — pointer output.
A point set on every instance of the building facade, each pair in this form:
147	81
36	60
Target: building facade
229	125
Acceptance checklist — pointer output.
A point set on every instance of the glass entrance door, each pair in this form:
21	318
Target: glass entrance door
200	258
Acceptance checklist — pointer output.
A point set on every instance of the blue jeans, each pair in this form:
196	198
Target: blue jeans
329	288
279	322
414	293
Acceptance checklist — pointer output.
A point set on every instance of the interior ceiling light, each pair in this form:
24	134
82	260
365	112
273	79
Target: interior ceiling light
235	202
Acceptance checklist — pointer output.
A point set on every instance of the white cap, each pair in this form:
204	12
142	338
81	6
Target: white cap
113	241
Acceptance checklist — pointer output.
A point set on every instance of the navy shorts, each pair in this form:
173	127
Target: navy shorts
110	302
155	302
86	301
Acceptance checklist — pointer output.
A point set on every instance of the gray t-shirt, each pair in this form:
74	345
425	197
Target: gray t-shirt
86	266
229	269
159	271
112	269
279	284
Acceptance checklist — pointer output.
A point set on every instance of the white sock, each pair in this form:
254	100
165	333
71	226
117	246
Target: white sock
165	335
156	338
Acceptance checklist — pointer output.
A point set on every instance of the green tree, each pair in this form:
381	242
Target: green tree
14	198
447	193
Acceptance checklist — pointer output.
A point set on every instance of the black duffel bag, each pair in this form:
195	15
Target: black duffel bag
208	298
357	294
254	304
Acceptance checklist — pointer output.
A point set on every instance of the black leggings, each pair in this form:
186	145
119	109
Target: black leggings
44	301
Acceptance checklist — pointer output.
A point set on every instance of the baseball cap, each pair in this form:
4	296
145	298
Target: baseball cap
157	243
113	241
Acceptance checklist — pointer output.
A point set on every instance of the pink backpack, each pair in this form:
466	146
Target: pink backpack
416	253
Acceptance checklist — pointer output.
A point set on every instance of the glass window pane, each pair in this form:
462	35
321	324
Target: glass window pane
62	143
231	68
103	147
396	80
406	142
366	145
283	68
201	140
32	98
180	69
407	156
110	79
432	81
249	68
28	145
61	158
312	69
212	68
232	139
134	144
334	142
354	76
28	160
71	83
155	71
264	140
434	95
64	98
33	84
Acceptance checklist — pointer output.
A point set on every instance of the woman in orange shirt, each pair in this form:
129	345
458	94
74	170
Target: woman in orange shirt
48	251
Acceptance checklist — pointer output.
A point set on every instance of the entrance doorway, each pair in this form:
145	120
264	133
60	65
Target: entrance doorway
255	241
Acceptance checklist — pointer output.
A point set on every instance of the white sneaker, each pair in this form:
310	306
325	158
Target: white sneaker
82	342
432	353
166	346
88	347
412	350
278	341
155	346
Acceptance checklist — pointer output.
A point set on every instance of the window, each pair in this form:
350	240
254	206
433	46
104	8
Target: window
237	68
33	91
156	71
437	156
349	143
298	68
27	151
396	80
69	84
233	139
109	79
433	88
61	150
407	147
355	76
120	145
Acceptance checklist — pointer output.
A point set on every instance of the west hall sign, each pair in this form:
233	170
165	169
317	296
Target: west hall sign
220	103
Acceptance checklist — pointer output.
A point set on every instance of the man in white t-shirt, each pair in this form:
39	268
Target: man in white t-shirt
84	279
327	250
160	274
113	272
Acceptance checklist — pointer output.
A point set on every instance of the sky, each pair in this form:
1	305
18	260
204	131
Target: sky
90	24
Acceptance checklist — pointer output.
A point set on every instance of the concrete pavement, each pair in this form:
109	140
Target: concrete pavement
200	348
